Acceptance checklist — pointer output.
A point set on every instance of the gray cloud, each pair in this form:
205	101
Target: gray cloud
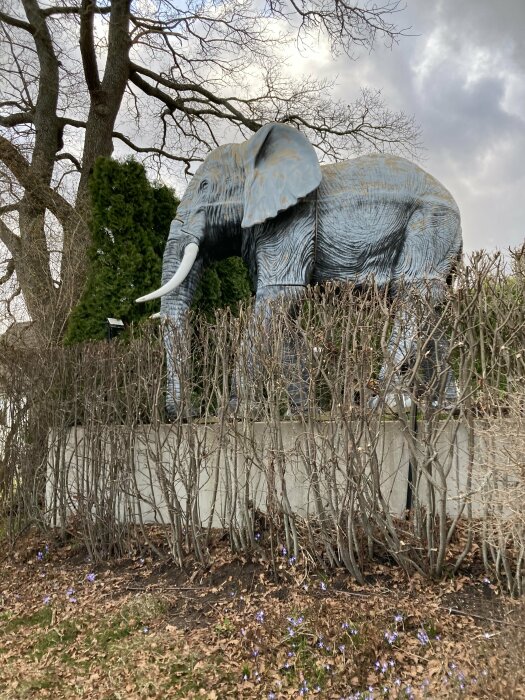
462	74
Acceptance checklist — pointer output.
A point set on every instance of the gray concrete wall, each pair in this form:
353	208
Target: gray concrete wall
212	472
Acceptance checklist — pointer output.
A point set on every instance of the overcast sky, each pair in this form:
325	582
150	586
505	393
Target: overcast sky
463	78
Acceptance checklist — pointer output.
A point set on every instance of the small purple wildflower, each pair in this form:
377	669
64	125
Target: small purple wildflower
259	616
39	556
398	618
284	551
255	653
271	695
47	600
145	630
91	577
342	648
391	637
423	637
322	586
292	561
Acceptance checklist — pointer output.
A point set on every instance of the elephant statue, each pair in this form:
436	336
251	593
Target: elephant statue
297	223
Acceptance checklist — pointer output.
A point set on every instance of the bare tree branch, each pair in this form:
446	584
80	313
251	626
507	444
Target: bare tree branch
9	271
9	239
21	169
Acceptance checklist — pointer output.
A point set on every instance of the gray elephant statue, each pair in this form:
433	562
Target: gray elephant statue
297	223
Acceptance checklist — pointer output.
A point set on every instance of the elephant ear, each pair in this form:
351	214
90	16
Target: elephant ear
281	167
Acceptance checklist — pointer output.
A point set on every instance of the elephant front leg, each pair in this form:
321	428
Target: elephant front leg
270	337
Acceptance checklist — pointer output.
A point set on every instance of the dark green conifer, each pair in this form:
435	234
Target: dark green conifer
130	223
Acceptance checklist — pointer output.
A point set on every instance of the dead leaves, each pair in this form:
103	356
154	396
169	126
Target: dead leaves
140	630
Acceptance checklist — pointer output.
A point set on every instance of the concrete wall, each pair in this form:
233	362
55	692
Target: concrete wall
213	473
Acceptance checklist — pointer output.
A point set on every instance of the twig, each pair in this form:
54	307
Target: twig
463	613
161	589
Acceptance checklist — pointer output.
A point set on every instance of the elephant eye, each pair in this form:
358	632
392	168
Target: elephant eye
203	186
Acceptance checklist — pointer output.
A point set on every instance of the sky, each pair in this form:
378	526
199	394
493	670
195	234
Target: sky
461	73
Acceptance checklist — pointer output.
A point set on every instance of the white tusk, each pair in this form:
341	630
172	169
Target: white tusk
190	253
155	316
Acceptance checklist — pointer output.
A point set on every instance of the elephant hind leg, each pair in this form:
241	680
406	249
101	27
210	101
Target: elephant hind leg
418	344
432	247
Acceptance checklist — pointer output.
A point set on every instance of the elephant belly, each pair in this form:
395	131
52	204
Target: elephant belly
358	239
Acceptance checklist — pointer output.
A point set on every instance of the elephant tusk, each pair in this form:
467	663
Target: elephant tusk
190	253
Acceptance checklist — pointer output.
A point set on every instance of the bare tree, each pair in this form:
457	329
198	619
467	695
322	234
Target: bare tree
167	80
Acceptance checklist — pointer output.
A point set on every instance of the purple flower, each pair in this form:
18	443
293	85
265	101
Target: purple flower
47	600
284	551
342	648
255	653
391	637
423	637
291	561
257	536
322	586
259	616
91	577
39	556
398	618
145	630
271	695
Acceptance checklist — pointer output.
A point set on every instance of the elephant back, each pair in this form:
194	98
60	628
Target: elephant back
381	177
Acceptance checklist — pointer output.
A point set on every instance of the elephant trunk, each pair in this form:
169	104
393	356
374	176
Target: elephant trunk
173	309
181	271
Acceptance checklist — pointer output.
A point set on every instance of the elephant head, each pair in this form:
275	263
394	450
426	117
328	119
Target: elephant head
237	187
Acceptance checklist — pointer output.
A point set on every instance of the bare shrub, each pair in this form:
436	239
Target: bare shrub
301	463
